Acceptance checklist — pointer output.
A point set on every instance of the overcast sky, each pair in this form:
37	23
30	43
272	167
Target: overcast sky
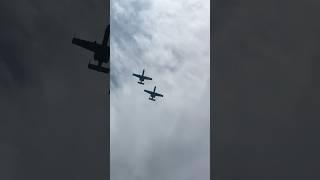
53	110
266	89
167	139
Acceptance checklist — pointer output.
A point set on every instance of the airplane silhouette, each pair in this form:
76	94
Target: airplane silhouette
101	51
153	94
142	77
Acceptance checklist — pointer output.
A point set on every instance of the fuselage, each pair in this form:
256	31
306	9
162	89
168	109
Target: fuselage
154	92
102	54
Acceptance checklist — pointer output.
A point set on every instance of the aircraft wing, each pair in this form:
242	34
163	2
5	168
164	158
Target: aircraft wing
147	78
106	36
85	44
157	94
136	75
147	91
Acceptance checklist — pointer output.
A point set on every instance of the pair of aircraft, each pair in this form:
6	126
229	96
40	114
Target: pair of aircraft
153	93
102	55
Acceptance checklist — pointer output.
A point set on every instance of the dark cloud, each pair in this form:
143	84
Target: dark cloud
54	111
266	85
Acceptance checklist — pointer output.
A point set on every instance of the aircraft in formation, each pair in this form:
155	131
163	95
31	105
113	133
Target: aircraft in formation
102	55
142	77
101	51
153	94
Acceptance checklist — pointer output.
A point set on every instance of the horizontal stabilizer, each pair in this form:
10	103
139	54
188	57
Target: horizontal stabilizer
98	68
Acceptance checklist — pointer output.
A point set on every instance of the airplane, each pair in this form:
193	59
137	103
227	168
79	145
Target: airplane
153	94
142	77
101	51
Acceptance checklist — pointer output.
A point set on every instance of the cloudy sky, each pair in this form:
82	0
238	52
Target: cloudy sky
167	139
266	90
53	110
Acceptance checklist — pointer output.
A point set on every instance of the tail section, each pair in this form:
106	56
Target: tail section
106	36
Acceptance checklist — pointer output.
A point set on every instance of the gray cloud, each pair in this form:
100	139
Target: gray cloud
266	90
169	138
53	109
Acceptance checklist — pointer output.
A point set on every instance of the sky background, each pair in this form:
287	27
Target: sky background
53	110
266	90
167	139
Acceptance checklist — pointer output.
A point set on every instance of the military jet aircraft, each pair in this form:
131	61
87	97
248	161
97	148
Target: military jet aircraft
101	51
142	77
153	94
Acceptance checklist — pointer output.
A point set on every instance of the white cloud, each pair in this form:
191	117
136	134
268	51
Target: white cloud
169	138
